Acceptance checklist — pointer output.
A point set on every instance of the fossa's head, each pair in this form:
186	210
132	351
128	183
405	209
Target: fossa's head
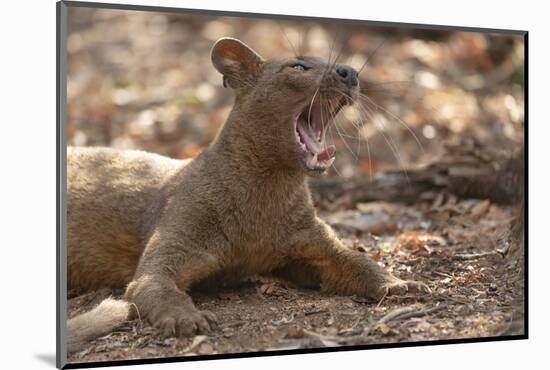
290	102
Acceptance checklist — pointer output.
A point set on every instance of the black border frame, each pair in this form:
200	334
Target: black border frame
61	103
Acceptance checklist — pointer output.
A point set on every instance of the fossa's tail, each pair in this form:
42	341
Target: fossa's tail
103	319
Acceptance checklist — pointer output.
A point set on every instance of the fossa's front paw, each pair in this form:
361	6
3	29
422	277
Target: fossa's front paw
184	321
398	286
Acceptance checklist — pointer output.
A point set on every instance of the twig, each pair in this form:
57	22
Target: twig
403	313
442	297
473	256
421	313
396	313
138	314
350	332
353	330
443	274
233	324
284	320
382	299
504	250
314	312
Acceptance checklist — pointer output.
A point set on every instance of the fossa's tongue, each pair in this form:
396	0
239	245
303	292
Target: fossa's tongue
314	141
326	153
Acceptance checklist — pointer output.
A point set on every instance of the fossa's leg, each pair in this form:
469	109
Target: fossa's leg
300	273
340	269
158	289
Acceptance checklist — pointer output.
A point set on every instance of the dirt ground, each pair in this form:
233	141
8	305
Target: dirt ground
458	248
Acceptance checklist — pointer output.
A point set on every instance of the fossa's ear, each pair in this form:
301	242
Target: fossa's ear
237	62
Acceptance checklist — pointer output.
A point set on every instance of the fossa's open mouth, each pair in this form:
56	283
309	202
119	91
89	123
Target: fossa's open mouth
310	128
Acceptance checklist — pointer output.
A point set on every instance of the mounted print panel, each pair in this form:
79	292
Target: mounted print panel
241	184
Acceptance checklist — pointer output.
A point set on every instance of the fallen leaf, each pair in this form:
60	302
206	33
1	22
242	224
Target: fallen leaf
480	209
375	223
267	288
295	332
196	342
385	330
205	348
419	241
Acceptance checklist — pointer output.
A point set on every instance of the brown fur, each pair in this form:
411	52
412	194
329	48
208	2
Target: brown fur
242	207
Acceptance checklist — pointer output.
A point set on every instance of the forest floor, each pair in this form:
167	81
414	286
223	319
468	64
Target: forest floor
458	248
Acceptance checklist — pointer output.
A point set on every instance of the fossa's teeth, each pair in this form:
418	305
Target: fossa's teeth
329	161
299	141
312	162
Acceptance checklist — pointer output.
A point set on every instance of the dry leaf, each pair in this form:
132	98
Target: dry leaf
205	348
295	332
196	342
480	209
418	242
385	330
267	288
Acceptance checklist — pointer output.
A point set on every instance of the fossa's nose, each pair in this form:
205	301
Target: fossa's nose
347	74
